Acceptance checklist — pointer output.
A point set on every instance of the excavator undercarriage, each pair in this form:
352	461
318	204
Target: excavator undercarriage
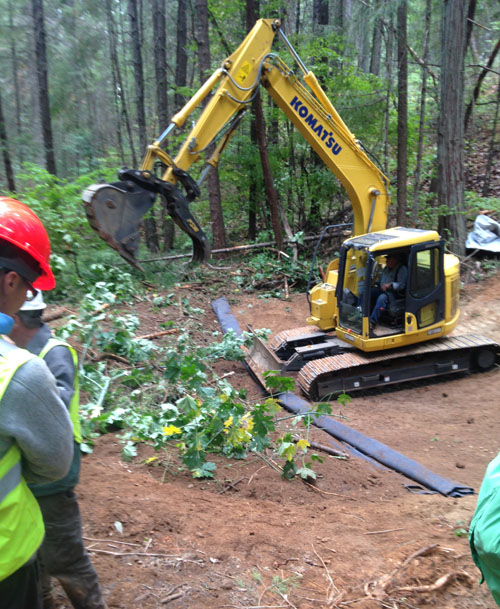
324	367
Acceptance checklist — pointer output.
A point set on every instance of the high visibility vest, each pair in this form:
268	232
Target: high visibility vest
21	522
74	405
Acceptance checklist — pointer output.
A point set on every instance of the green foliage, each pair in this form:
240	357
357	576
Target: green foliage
475	204
170	398
266	271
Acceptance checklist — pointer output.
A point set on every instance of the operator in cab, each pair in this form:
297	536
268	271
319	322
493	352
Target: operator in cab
392	285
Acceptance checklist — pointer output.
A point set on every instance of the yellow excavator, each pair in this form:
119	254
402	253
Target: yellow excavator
337	351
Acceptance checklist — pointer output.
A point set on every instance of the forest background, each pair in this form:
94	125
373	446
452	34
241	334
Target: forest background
86	86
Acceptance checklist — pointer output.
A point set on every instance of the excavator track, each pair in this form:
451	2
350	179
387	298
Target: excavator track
323	378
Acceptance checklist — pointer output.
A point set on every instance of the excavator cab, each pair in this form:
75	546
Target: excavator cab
414	312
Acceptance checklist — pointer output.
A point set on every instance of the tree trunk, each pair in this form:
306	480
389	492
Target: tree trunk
402	170
151	234
15	80
423	95
160	62
451	125
119	88
138	74
376	49
272	198
43	84
320	15
181	60
253	186
388	71
160	65
9	174
214	196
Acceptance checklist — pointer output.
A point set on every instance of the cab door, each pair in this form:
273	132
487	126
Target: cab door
425	289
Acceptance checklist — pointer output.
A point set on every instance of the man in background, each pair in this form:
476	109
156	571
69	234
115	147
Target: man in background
62	554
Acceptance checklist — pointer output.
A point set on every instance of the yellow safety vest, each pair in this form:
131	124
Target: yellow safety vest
74	405
21	522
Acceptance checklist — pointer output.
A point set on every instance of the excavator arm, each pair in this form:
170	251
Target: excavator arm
115	210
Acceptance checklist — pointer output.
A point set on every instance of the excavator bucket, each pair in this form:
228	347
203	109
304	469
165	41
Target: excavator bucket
115	211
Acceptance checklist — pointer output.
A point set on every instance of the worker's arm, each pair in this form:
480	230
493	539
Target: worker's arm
60	363
34	416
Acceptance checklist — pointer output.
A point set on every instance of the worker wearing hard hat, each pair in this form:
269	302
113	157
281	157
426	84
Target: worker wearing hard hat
35	429
62	553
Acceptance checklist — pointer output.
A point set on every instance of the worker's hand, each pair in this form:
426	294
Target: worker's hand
386	286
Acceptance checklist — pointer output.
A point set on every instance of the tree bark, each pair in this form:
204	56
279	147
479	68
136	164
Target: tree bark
253	187
214	196
151	234
158	13
450	172
423	95
181	59
376	44
9	174
272	198
119	88
402	170
43	84
388	71
15	80
138	74
160	62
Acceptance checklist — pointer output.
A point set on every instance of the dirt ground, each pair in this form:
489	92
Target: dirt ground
359	538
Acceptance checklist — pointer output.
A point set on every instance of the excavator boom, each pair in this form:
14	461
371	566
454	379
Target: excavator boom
115	210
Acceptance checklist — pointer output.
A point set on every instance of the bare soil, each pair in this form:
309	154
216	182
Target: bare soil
358	538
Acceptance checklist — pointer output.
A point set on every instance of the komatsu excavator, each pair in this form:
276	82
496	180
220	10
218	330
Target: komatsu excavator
337	351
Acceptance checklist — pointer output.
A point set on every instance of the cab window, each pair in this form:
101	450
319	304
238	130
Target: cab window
425	273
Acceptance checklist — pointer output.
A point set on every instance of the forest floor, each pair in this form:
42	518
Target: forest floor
358	538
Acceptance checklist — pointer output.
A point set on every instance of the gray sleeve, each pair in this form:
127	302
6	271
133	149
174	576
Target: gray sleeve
33	414
60	363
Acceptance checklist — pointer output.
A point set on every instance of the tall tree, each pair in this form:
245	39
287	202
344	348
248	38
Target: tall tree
9	174
15	80
260	132
423	97
119	94
135	40
181	56
402	170
450	176
43	84
160	61
376	42
214	196
151	234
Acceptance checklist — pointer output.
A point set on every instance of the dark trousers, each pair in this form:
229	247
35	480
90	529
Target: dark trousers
22	589
62	554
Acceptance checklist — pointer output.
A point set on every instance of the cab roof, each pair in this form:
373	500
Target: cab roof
391	238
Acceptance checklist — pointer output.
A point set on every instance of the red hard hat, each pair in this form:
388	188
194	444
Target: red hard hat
21	227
